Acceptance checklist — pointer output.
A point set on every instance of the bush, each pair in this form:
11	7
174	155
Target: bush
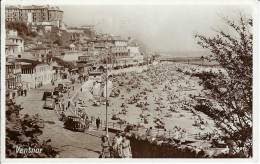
64	63
24	132
143	148
21	27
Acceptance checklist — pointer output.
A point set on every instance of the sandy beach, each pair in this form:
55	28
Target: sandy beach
155	99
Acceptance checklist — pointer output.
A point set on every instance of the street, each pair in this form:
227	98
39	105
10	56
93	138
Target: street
71	144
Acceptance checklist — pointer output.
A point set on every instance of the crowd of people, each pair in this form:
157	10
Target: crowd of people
172	93
119	147
169	92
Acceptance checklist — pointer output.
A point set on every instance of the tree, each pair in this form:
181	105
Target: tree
65	64
89	33
24	132
234	52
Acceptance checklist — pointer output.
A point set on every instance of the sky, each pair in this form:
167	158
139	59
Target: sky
161	28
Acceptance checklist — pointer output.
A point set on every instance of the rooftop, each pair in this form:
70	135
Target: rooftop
103	45
14	37
27	63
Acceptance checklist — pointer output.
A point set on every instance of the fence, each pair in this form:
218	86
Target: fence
141	130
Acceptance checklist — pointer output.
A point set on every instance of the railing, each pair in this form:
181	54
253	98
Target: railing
140	130
167	133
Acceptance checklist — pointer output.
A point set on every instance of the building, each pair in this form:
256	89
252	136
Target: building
35	15
11	48
89	27
12	13
136	54
12	78
85	59
14	40
40	53
75	30
116	47
72	54
35	73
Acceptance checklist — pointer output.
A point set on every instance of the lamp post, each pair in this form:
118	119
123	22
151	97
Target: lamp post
106	93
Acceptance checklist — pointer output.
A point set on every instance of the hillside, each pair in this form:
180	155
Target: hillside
32	35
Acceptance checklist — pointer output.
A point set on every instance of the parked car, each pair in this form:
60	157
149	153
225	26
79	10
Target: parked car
46	94
74	123
56	91
49	103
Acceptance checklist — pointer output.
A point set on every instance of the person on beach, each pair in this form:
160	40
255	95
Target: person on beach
68	104
63	105
59	102
98	123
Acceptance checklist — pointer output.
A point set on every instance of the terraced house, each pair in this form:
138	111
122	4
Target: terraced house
117	48
12	77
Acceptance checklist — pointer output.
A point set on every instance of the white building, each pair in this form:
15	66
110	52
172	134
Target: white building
36	74
135	54
13	37
72	54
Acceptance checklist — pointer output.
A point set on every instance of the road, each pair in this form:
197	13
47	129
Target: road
70	144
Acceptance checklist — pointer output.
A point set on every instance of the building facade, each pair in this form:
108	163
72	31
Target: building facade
12	75
11	48
36	74
13	37
72	56
34	14
116	47
13	83
136	54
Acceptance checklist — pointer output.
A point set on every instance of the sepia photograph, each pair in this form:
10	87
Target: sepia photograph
121	80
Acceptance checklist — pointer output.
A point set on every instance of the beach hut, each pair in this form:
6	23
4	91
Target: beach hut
96	89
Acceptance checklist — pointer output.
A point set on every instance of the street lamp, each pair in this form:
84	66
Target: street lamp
106	93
